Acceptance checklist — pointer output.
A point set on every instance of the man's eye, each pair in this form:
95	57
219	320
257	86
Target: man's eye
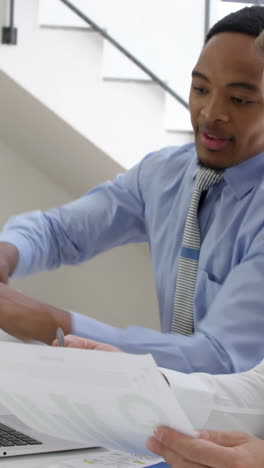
200	90
240	101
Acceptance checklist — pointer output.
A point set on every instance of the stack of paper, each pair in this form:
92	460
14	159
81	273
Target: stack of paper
112	400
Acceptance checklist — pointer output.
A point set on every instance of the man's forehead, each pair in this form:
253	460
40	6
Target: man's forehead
231	44
234	53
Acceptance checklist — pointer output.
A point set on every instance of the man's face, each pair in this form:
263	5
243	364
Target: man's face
227	101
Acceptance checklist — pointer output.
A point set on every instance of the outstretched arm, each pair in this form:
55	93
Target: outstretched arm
29	319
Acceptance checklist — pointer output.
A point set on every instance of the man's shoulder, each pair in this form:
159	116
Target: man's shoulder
170	157
173	152
163	165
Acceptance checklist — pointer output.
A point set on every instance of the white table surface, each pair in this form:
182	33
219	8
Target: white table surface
44	459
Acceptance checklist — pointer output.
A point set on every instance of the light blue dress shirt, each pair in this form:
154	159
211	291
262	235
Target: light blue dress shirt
149	203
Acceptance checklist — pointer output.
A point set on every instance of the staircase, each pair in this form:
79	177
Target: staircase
68	72
154	31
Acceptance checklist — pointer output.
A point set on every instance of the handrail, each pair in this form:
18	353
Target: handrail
207	18
11	13
124	51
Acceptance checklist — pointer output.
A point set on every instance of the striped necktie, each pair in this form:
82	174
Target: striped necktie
182	317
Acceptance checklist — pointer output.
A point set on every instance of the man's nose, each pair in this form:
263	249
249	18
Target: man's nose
214	110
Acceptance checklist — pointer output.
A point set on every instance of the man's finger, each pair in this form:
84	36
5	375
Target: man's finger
169	436
78	342
173	459
72	341
226	438
4	271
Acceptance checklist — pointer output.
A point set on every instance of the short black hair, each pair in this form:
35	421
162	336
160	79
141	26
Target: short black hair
249	20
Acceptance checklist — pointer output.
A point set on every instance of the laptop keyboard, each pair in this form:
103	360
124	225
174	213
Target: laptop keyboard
10	437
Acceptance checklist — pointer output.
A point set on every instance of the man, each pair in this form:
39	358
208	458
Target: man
216	449
151	202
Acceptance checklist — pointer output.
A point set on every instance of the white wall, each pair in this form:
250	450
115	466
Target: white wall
124	274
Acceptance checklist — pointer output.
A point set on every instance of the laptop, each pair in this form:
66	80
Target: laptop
18	439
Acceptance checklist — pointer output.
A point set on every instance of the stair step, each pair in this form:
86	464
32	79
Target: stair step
146	28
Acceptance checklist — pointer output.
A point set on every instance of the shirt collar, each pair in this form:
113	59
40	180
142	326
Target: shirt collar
244	176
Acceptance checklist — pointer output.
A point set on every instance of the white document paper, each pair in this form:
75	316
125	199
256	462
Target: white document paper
112	400
98	458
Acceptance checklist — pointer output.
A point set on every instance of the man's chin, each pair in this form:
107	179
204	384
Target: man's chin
213	160
210	164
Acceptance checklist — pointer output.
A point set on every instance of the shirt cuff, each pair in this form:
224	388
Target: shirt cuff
88	327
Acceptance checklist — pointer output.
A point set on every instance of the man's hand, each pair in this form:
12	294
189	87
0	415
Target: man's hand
8	260
213	449
72	341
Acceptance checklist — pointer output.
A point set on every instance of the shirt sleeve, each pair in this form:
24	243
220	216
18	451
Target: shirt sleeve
178	352
222	402
229	338
112	214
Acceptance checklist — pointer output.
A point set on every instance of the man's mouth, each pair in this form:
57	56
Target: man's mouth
213	141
